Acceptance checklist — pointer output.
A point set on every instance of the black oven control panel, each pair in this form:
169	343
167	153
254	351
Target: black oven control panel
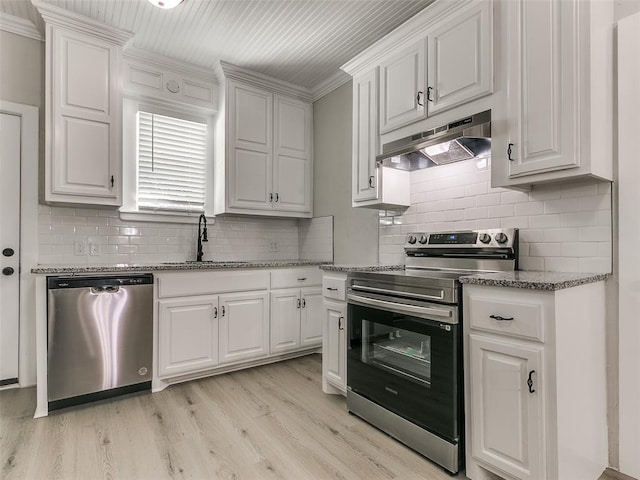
490	238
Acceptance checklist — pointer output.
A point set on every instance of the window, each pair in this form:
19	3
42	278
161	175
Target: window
167	162
171	163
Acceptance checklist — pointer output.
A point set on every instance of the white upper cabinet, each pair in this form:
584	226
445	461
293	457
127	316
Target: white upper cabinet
554	119
438	64
365	136
402	80
460	58
83	110
263	160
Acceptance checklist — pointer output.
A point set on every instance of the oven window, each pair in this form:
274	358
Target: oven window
397	350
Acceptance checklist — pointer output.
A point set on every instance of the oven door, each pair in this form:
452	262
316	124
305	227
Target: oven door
406	357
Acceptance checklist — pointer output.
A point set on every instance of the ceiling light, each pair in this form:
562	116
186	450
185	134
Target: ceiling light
166	4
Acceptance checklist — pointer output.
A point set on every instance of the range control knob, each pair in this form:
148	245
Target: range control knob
501	238
485	237
423	239
411	239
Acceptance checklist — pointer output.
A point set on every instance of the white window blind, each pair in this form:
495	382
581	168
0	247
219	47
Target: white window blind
171	163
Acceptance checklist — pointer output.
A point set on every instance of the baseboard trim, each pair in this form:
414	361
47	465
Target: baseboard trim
615	475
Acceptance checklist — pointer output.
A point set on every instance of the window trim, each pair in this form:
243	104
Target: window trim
129	209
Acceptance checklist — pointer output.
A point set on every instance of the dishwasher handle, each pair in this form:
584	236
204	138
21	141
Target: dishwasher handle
107	289
98	281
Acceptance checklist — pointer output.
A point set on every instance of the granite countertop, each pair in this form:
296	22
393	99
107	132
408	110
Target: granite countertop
533	280
361	268
172	266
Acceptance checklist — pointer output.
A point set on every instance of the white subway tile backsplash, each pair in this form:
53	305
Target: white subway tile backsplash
127	242
563	227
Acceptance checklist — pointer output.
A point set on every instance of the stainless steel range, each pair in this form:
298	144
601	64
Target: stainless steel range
404	361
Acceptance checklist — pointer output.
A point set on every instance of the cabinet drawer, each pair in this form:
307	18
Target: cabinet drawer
513	318
334	287
179	284
295	277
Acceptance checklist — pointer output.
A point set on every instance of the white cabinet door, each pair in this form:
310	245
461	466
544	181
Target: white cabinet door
506	413
285	320
187	334
311	317
333	346
402	87
84	120
244	326
460	60
250	146
365	136
292	155
542	98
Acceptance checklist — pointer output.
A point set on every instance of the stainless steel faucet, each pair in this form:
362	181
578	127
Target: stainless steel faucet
202	235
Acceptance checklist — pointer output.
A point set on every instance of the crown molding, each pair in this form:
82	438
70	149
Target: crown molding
412	30
19	26
64	18
138	55
330	84
227	70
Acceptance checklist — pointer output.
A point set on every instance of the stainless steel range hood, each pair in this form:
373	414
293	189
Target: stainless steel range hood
463	139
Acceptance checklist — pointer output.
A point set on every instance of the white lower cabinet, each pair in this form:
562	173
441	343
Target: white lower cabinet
295	319
334	337
334	346
535	402
215	321
244	326
506	413
187	334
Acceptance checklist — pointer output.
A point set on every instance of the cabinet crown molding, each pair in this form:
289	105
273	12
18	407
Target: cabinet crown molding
228	70
19	26
413	29
64	18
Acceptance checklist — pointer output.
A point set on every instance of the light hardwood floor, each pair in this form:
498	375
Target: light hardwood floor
270	422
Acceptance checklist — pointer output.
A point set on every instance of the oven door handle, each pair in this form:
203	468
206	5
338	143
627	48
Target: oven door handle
440	314
364	288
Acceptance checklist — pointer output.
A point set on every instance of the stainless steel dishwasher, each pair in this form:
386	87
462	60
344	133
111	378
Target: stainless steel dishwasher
100	337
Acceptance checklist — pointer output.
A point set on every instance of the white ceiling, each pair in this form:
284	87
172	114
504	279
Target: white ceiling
301	41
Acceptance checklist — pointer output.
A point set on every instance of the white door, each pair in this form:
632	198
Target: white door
244	326
459	66
334	349
365	136
402	91
506	412
311	317
10	133
285	320
187	334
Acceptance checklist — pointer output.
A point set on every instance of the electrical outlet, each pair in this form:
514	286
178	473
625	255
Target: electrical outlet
93	249
79	247
273	246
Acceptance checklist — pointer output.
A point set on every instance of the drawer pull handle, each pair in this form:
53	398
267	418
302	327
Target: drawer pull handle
332	289
530	382
302	279
501	319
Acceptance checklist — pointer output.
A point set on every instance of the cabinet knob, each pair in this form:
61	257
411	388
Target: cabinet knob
7	271
8	252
